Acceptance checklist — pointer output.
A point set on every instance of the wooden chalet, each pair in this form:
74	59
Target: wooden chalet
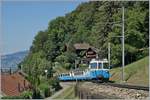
90	53
86	52
79	47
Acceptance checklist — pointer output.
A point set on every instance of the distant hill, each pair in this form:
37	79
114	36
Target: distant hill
11	60
135	73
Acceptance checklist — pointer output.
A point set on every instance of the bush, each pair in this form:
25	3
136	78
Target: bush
66	59
27	94
54	82
47	92
44	89
67	65
83	66
62	58
37	94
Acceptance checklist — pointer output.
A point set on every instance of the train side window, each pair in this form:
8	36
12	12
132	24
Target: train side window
93	65
66	74
99	65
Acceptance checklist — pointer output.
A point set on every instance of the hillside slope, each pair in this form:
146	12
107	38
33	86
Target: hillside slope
93	23
135	73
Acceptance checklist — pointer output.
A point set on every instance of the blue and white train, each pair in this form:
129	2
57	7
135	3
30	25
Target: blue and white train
96	71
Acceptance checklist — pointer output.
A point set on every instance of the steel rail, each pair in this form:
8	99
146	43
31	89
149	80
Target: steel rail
145	88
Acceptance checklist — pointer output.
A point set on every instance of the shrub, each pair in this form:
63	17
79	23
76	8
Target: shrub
44	89
47	92
54	82
37	94
83	66
27	94
67	65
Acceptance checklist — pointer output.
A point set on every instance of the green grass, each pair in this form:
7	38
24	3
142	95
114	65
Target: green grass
68	93
60	69
135	73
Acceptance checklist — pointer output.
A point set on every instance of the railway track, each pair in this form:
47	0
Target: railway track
145	88
113	90
136	87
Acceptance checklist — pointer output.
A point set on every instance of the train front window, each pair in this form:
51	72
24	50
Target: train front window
93	65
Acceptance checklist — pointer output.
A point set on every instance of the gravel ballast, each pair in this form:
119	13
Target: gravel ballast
124	93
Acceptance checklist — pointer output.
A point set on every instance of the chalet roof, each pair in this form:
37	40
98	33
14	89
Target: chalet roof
81	46
93	48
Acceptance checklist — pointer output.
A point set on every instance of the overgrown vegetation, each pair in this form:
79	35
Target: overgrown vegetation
91	22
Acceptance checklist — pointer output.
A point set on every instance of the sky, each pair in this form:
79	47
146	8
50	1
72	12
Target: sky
21	20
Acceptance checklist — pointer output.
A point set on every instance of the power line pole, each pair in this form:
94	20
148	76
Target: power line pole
122	43
122	40
149	48
109	54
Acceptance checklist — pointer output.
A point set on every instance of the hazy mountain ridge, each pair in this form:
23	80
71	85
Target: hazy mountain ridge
11	60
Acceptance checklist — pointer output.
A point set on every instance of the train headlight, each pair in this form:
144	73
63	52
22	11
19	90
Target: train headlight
107	71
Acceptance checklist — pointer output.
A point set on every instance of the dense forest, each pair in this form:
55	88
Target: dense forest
95	23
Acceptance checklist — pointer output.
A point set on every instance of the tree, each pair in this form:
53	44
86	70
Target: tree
92	22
